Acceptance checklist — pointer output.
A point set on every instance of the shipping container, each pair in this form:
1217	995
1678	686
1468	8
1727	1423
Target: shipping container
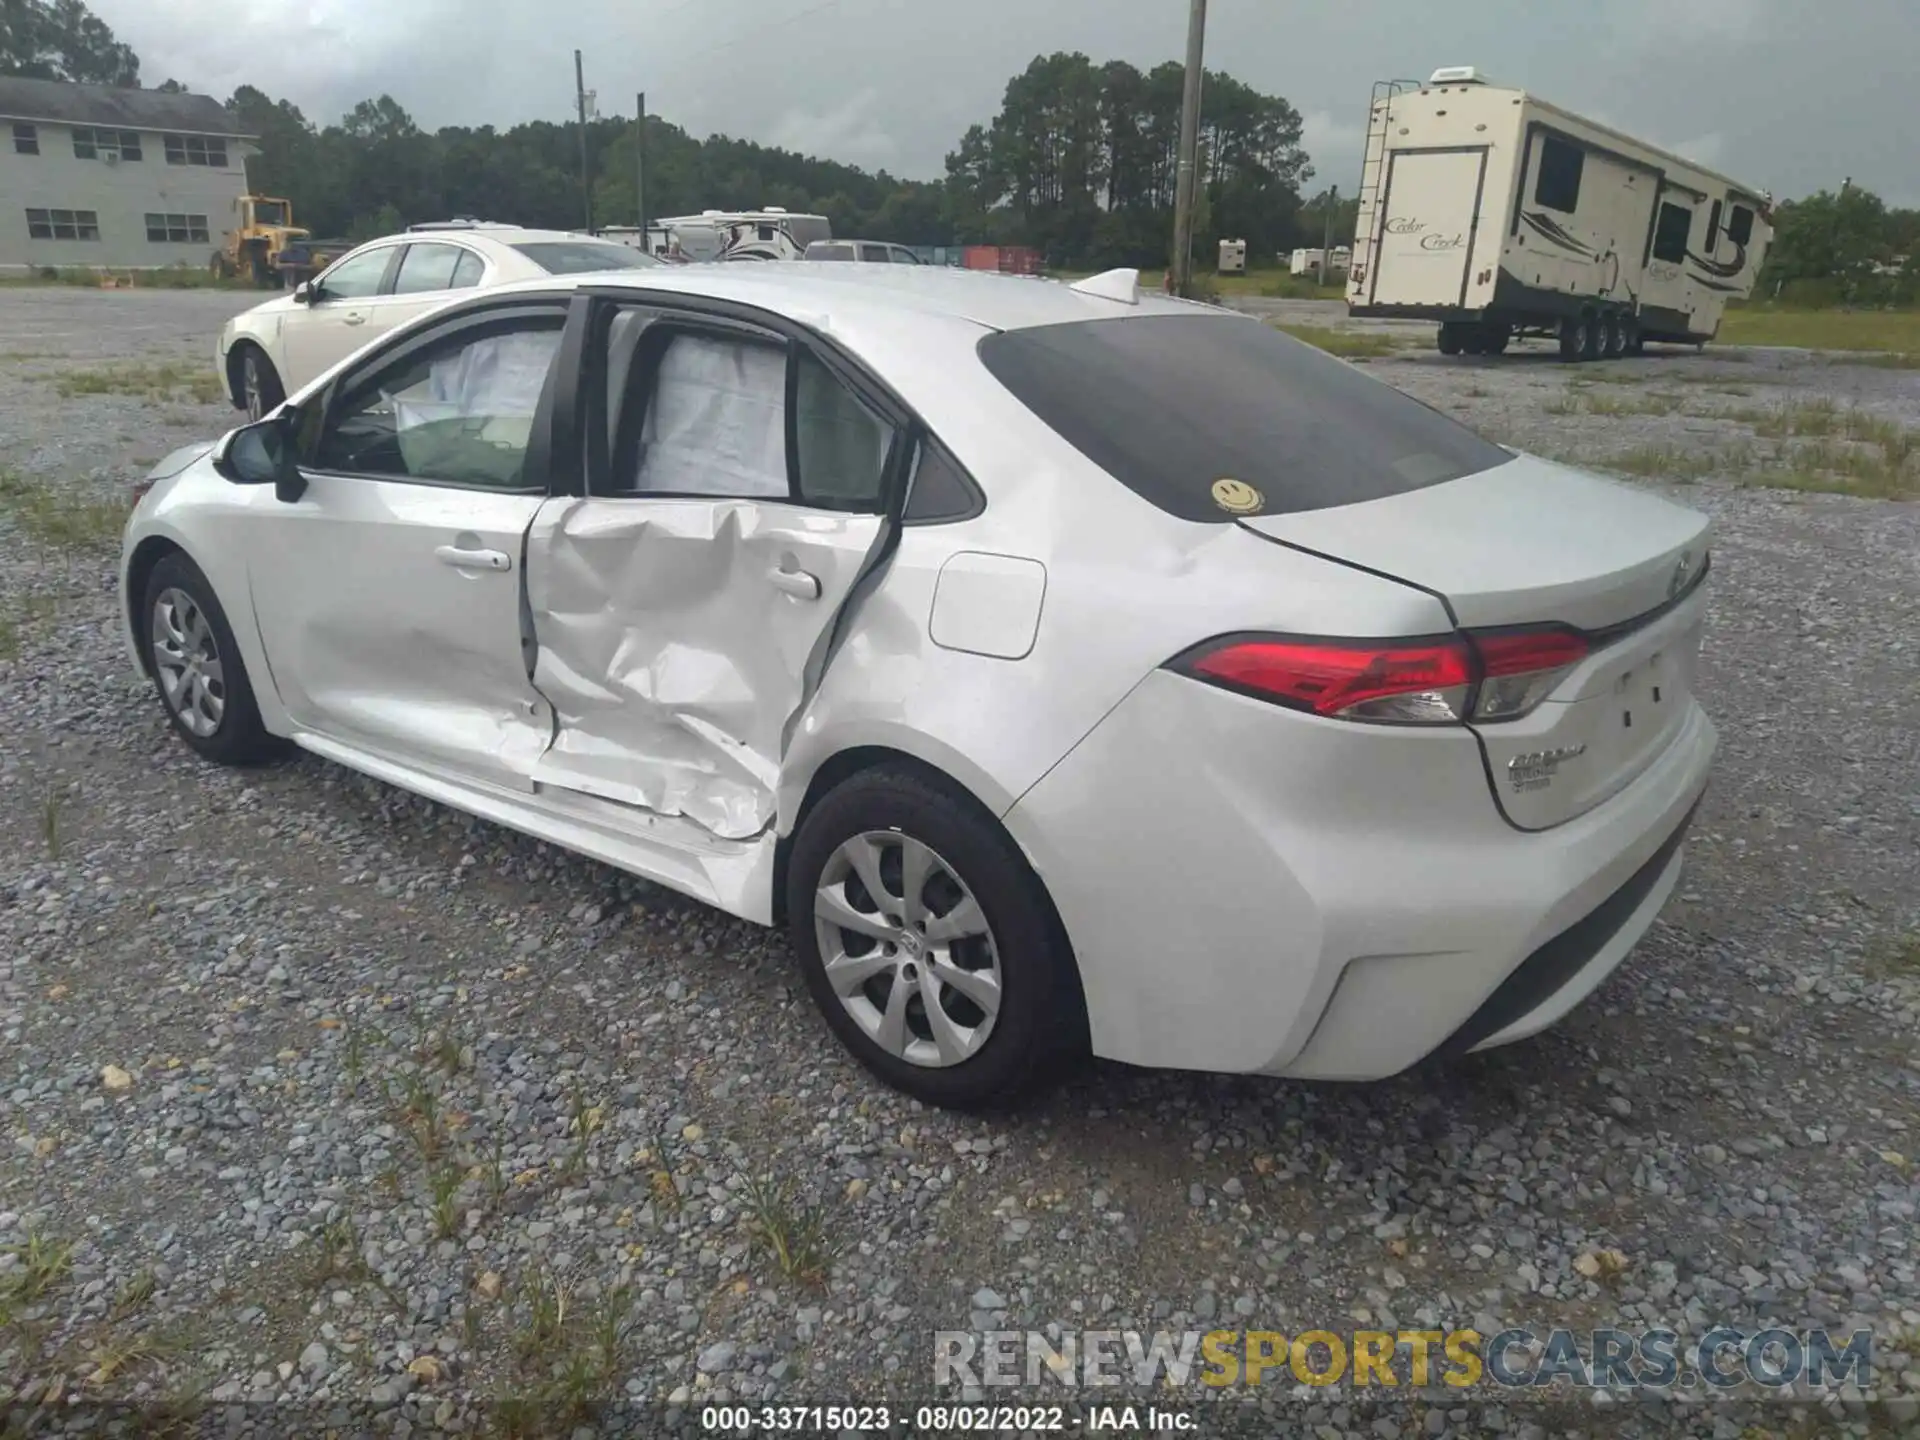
1007	259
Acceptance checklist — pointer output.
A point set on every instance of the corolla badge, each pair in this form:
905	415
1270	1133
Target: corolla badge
1682	573
1536	769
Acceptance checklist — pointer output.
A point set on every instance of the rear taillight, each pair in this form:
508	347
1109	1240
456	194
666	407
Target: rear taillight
1402	682
1520	668
1487	675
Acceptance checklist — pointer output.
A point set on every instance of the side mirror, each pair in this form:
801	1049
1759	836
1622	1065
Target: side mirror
263	454
304	293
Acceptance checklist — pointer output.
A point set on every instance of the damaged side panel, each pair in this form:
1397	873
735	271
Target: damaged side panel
676	638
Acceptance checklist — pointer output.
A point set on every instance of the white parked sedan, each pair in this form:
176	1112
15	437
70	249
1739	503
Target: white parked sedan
273	349
1068	669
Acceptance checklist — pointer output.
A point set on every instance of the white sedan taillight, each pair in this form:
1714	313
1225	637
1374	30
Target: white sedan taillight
1487	675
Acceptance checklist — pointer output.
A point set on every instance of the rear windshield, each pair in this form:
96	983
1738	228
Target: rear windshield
819	251
583	257
1173	405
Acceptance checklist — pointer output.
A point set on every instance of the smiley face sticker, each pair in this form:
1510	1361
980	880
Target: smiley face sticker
1236	497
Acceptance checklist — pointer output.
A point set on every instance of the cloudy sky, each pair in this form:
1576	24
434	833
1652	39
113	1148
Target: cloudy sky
1788	95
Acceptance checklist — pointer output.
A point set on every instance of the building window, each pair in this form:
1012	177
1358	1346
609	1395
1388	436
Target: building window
1558	187
1740	227
26	140
197	150
177	229
63	225
105	144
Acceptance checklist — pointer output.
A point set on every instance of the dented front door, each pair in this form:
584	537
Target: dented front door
678	639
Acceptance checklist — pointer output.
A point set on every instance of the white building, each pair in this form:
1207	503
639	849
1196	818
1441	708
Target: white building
91	175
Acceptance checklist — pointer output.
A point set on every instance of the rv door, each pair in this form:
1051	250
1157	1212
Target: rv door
1429	215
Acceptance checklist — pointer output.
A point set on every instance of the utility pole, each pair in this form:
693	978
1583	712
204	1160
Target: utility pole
640	166
586	177
1184	175
1326	239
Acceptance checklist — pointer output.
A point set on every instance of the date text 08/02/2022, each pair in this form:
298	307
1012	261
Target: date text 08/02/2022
744	1420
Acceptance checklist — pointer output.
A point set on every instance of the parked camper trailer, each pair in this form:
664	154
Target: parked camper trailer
1233	257
771	233
1499	215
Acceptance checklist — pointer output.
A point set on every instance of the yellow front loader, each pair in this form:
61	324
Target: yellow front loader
266	247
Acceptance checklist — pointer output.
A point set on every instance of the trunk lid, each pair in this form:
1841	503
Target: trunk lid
1533	542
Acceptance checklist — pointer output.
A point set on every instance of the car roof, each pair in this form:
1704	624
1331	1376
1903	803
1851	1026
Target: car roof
499	234
814	294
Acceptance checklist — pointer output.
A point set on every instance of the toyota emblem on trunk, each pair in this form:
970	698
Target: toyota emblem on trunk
1682	572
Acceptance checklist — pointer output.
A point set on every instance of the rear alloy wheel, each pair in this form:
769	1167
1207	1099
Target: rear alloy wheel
1613	342
260	388
928	943
197	668
1449	341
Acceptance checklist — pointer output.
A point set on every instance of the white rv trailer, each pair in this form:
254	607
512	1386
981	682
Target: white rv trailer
1499	215
712	234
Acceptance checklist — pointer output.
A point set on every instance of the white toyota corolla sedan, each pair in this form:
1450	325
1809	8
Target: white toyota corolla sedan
273	349
1068	669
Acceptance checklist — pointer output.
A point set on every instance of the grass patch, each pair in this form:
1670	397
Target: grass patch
1893	333
1667	462
565	1353
1297	287
41	1264
788	1229
1838	448
86	277
63	522
1584	402
154	381
1347	344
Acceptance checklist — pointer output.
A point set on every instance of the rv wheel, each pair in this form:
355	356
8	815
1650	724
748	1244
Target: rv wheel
1596	337
1636	343
1449	341
1614	339
1473	341
1573	337
1495	338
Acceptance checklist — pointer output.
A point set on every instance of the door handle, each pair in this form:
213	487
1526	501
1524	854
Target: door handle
798	583
473	559
354	317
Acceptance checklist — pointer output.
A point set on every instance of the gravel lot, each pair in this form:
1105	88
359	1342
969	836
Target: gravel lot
412	1115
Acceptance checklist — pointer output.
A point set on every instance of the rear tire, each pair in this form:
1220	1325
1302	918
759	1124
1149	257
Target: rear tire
1449	341
1573	337
1497	335
1595	335
196	667
1613	339
1633	340
1016	1016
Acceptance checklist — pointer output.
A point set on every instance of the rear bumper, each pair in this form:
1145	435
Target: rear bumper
1249	889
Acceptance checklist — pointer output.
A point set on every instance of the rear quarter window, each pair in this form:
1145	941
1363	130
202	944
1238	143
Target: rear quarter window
583	257
1169	405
